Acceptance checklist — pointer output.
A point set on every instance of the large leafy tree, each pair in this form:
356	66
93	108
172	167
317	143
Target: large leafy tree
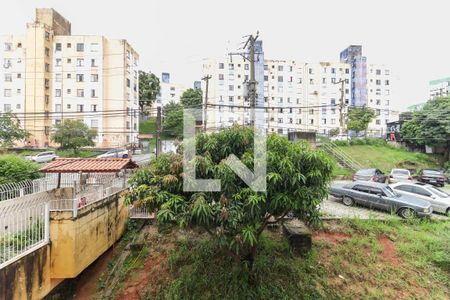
359	118
10	130
15	169
297	180
430	125
74	134
173	119
149	88
192	98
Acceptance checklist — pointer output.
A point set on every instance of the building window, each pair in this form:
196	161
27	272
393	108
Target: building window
246	66
58	47
69	75
80	62
93	93
47	83
58	93
221	66
80	47
333	70
299	121
57	122
280	120
58	77
47	36
19	75
311	81
94	123
378	72
378	101
386	82
221	77
19	91
47	52
80	77
8	47
80	107
58	62
18	106
80	93
8	77
69	106
94	77
69	60
377	122
7	92
69	91
386	72
280	68
378	82
69	45
94	107
94	47
324	121
230	98
93	62
57	107
128	125
280	78
333	121
7	107
7	63
231	87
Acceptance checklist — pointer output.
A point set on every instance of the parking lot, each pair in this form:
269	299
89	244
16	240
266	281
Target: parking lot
334	208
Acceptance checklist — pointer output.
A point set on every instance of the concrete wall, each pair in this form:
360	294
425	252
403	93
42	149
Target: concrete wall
77	242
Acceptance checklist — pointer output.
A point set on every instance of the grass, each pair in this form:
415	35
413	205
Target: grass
63	153
385	157
350	259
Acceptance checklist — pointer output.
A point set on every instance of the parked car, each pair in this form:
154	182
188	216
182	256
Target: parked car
447	175
431	176
340	137
369	175
440	200
43	157
399	175
381	196
117	153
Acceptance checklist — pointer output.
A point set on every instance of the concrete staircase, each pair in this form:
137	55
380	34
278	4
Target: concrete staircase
341	157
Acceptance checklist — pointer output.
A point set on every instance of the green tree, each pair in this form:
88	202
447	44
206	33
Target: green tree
297	181
149	88
333	132
191	98
359	118
430	125
173	119
15	169
10	130
74	134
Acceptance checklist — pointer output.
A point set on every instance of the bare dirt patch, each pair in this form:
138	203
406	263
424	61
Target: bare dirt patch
389	252
330	237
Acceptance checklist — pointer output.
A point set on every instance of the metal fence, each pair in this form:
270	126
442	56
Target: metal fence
24	227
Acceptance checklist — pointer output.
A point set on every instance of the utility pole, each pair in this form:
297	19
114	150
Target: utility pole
251	84
341	107
206	79
158	131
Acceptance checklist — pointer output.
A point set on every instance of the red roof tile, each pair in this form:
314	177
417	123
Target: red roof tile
88	165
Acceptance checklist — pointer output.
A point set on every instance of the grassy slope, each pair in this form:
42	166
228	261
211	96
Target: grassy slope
352	259
385	157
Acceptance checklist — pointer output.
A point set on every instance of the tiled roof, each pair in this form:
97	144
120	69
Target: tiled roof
88	165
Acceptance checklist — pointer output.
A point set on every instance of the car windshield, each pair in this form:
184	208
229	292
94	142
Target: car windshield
431	172
400	172
365	172
438	192
390	192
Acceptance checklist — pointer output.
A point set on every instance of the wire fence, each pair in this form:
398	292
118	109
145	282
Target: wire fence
24	227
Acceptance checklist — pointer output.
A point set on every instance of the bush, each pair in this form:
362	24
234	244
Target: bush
15	169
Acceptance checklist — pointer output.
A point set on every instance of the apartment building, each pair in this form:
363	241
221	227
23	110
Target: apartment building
293	96
49	75
439	88
170	92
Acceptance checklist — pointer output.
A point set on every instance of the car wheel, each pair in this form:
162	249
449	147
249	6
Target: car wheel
406	213
348	201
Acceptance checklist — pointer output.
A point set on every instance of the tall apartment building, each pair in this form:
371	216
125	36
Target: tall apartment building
49	75
439	88
295	96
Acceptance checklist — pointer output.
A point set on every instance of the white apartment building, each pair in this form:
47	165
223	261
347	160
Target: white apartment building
379	82
439	88
49	76
297	96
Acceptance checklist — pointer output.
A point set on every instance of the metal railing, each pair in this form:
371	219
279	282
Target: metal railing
140	212
24	227
342	157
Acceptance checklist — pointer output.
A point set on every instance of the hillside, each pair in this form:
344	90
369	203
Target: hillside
386	157
351	259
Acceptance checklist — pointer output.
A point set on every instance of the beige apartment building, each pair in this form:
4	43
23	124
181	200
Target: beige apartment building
49	75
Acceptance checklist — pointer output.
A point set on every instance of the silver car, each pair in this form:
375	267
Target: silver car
381	196
43	157
399	175
117	153
440	200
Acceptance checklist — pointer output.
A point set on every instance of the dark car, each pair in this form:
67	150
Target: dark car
381	196
431	176
374	175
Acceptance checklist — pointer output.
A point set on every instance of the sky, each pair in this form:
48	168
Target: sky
410	37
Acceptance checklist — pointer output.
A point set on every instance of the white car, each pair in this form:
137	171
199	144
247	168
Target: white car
440	200
43	157
118	153
399	175
340	137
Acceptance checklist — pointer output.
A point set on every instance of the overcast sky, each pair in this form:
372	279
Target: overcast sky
411	37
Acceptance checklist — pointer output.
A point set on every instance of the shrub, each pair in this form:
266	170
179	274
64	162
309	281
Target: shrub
15	169
297	180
